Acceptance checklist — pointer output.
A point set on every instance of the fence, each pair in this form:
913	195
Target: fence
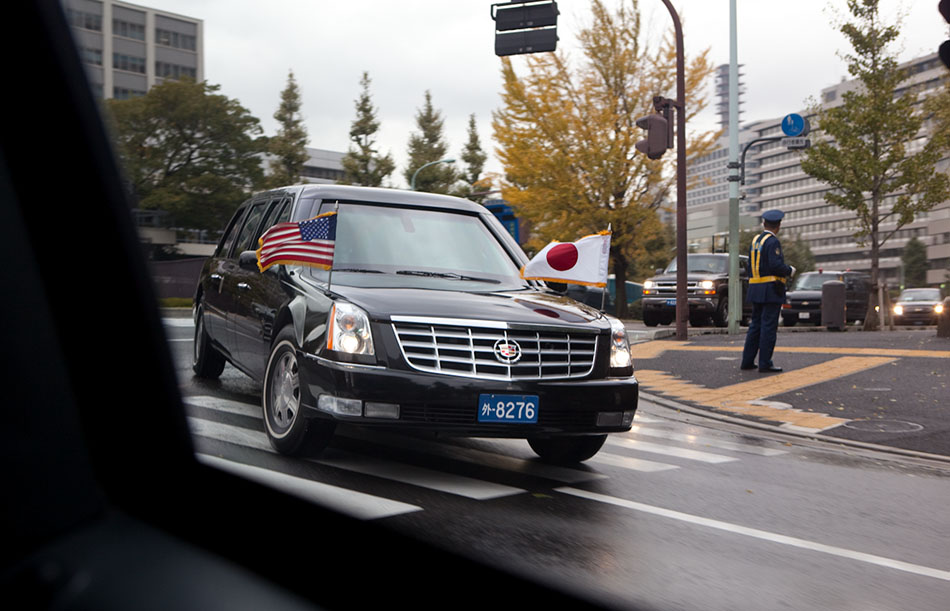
176	278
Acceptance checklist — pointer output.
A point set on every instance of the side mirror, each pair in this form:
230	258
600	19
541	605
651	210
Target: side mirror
659	271
248	260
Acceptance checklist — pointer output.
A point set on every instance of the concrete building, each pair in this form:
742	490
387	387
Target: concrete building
774	179
129	48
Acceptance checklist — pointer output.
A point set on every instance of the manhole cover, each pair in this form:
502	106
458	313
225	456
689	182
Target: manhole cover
884	426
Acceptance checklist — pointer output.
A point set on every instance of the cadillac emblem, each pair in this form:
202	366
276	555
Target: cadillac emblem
507	351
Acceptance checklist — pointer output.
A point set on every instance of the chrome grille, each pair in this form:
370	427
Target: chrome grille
468	350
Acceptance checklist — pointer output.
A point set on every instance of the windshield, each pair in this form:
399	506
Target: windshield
382	246
710	264
920	295
814	282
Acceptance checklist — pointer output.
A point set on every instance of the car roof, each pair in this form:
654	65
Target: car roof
378	195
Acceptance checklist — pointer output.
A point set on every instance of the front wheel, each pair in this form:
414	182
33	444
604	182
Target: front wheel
721	318
287	429
567	450
206	361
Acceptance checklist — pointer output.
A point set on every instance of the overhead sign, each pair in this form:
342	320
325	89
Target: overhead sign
795	125
796	143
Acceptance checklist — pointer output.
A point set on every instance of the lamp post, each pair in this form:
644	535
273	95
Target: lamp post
412	183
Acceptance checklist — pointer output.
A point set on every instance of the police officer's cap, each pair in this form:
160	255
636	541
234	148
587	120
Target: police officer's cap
773	216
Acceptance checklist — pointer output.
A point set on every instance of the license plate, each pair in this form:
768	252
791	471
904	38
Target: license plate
671	302
805	315
516	409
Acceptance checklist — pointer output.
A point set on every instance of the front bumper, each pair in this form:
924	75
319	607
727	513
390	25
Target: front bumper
697	305
449	405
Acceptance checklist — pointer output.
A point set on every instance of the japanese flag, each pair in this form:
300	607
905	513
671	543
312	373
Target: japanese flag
580	262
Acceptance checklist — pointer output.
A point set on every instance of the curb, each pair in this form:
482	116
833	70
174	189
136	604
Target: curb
668	403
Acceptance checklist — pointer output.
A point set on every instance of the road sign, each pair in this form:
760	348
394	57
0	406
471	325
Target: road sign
794	125
796	143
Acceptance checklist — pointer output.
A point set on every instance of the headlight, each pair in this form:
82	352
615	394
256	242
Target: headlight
648	284
938	308
619	346
349	330
707	284
899	310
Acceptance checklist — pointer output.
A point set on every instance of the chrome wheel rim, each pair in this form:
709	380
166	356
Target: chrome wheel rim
284	392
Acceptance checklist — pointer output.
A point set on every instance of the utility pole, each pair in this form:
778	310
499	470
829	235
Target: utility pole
735	288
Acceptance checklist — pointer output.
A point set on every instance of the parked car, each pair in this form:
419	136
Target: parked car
918	306
707	283
423	323
803	300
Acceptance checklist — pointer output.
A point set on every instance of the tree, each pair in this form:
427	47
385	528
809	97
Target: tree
427	145
863	150
188	150
474	158
914	262
289	146
362	165
566	137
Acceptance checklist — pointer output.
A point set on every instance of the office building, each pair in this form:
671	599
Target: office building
128	48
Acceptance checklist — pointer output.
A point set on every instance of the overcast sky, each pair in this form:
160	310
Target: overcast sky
790	51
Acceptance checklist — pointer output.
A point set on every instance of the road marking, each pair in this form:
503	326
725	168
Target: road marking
746	397
178	322
230	434
225	405
424	478
646	446
761	534
350	502
629	462
706	441
653	349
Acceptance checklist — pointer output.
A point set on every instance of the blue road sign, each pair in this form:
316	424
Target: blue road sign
795	125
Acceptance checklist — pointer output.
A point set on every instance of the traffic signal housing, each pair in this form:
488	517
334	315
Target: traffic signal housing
658	136
944	50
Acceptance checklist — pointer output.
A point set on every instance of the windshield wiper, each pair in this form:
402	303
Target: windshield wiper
450	275
358	270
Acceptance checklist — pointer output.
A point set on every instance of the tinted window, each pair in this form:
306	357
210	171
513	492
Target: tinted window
249	231
279	213
225	247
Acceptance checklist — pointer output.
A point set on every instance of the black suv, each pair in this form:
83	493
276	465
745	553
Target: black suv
803	300
707	283
423	323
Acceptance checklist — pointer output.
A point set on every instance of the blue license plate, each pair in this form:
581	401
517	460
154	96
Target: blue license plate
515	409
671	302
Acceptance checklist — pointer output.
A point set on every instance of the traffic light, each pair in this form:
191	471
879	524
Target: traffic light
658	135
944	50
525	27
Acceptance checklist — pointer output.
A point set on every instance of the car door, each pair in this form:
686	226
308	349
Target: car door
216	302
259	297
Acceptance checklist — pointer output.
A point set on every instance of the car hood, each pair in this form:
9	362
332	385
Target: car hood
524	306
690	277
908	304
804	295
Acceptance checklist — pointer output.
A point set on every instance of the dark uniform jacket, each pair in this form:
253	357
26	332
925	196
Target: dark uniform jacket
768	270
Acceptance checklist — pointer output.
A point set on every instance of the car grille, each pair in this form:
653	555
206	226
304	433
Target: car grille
668	288
470	351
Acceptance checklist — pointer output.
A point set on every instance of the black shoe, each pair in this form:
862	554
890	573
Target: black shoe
772	369
752	366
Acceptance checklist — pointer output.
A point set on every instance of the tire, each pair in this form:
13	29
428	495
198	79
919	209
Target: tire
698	321
206	361
650	319
287	429
721	317
566	450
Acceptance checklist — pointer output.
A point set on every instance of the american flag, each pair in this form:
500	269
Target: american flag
305	243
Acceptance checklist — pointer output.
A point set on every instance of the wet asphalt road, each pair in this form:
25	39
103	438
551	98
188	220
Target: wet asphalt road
683	512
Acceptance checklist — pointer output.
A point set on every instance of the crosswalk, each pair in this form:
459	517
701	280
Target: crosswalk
649	448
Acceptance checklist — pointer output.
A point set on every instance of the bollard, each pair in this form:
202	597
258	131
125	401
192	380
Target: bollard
833	305
943	320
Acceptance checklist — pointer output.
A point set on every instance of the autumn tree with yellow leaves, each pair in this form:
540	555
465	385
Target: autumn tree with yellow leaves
566	138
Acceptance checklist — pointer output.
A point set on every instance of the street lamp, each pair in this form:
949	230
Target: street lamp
412	183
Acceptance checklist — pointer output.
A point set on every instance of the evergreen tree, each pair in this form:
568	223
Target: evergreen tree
862	152
427	145
289	146
474	158
914	262
362	165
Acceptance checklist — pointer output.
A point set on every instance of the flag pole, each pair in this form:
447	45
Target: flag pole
603	296
336	210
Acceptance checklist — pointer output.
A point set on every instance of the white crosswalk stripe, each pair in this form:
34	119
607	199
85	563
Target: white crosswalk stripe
646	446
706	441
629	462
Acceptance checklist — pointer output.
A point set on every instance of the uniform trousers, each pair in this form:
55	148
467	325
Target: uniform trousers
760	337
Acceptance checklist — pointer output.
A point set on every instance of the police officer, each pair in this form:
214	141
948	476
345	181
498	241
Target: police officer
769	274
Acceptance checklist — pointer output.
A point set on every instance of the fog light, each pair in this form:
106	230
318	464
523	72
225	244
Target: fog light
628	419
610	418
340	406
381	410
